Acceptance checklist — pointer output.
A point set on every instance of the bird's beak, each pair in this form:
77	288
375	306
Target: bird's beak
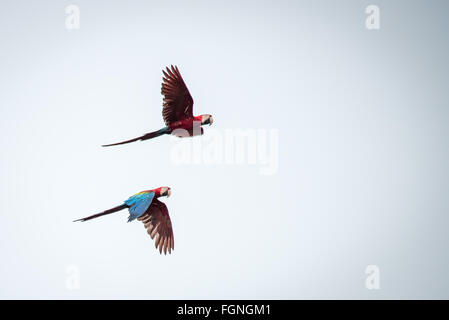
211	120
168	193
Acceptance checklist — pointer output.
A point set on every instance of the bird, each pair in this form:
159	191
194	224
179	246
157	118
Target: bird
177	110
145	206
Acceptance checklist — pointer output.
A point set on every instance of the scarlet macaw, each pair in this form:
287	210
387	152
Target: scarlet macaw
177	110
145	206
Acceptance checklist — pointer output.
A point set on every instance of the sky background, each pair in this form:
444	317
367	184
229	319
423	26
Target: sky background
363	175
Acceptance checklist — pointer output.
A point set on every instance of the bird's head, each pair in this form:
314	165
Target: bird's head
206	119
163	192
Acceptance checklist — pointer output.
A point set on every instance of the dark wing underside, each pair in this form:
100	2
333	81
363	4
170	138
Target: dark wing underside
178	103
158	224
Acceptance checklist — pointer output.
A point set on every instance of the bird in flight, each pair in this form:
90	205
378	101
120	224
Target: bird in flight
177	110
145	206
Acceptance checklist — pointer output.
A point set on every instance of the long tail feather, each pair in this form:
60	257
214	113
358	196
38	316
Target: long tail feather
144	137
115	209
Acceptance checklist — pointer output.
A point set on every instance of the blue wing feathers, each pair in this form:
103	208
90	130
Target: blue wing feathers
138	204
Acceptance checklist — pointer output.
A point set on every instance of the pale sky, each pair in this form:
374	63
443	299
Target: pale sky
361	122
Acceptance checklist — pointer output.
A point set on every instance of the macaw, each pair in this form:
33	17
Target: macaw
145	206
177	110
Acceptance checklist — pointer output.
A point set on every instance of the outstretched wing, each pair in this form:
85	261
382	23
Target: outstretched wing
178	103
158	224
138	204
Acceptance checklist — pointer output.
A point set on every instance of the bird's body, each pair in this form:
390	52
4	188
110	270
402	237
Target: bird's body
177	110
145	206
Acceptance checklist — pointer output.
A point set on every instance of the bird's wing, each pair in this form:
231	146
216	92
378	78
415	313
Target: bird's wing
178	103
138	204
158	224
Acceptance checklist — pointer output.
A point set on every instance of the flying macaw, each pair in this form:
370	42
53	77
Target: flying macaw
145	206
177	110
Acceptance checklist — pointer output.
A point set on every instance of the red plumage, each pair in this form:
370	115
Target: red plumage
178	103
177	110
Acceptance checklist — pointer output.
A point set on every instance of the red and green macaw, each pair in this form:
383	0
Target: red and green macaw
177	110
145	206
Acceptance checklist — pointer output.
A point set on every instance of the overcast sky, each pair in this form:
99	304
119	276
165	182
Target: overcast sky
355	122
